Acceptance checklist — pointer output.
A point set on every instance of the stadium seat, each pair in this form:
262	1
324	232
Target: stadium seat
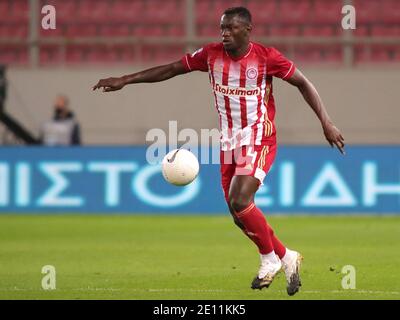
294	11
368	10
376	53
112	30
391	11
208	30
380	54
125	11
327	11
289	30
175	30
18	11
318	54
396	55
81	30
50	55
75	53
125	53
19	31
319	31
155	53
13	54
362	30
263	12
66	10
207	16
163	11
149	30
260	30
386	31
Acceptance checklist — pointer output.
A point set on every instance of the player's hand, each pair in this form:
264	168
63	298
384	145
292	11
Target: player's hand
334	137
110	84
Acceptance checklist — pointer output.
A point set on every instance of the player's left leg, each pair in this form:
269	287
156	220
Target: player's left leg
249	174
241	199
291	260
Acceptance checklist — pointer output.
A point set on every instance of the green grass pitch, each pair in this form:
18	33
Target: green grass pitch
192	257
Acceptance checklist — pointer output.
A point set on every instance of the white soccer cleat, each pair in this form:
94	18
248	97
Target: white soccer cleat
266	275
292	273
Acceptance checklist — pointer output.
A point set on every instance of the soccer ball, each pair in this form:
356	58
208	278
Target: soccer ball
180	167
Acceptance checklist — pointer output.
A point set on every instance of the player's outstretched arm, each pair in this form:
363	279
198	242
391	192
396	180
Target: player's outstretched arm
155	74
310	94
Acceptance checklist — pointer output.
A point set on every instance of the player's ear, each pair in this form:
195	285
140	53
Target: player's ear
249	27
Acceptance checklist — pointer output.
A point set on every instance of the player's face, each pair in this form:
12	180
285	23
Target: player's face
235	32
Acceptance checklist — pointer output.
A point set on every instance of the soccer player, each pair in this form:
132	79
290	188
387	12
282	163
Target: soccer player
241	73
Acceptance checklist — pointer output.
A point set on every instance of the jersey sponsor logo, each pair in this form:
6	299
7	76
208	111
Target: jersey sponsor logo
236	91
251	73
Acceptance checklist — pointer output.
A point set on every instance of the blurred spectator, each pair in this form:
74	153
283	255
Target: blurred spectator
63	129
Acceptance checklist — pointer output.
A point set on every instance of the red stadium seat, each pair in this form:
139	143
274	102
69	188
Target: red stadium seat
150	30
318	53
13	55
81	30
377	53
368	10
75	54
4	8
65	10
203	12
380	54
59	31
126	11
202	8
362	31
161	54
327	11
160	11
294	11
175	30
263	12
260	30
391	11
221	5
396	55
278	31
125	53
320	31
112	30
50	55
386	31
208	31
19	31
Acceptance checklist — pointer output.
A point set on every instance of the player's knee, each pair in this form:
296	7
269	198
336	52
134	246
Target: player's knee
239	202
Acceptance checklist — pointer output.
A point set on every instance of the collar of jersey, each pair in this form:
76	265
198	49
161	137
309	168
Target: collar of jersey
244	55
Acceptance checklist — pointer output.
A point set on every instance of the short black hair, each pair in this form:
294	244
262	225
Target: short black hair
242	12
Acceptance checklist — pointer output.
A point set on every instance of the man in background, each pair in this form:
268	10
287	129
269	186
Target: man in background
63	129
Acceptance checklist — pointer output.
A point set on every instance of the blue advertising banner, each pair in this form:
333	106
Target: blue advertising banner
303	179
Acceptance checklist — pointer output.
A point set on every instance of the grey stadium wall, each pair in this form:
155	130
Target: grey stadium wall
364	103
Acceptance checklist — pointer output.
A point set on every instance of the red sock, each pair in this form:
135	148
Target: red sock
256	228
279	248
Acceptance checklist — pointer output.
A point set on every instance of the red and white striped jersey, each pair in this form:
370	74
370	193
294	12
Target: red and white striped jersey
242	90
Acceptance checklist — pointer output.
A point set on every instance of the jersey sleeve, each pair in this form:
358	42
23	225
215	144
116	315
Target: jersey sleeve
197	61
278	65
